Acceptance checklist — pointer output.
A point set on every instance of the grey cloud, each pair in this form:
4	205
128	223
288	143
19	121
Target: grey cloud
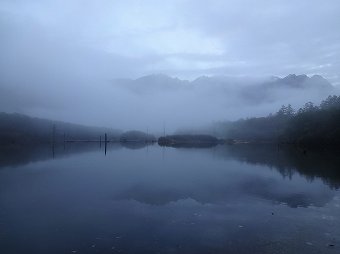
58	58
266	36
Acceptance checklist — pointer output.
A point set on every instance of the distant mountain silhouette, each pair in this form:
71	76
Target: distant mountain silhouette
152	83
302	81
249	94
291	85
254	90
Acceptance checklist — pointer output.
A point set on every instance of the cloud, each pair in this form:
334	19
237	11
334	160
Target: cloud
57	54
268	36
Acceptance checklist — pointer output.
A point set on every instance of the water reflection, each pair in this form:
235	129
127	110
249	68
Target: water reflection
149	199
288	160
229	191
17	155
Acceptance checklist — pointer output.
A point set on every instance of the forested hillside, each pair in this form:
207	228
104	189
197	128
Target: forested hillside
19	129
311	124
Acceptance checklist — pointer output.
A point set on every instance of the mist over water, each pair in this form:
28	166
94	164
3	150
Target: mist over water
155	101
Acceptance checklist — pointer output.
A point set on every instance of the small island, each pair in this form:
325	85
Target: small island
189	141
137	137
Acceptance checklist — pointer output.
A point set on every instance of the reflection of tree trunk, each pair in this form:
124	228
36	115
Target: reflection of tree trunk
105	142
53	133
53	138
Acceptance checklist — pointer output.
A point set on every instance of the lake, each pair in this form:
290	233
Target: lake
150	199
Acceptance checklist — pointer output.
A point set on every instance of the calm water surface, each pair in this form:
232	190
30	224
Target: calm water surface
226	199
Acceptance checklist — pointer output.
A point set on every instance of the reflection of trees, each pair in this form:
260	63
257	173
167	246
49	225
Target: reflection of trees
273	190
221	193
310	125
23	154
288	160
17	155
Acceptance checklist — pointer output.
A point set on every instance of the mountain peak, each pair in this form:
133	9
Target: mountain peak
158	76
318	77
301	81
295	78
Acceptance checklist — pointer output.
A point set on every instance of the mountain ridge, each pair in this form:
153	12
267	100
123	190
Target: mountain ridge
290	79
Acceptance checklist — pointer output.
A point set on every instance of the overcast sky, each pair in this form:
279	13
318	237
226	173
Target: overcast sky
58	58
185	38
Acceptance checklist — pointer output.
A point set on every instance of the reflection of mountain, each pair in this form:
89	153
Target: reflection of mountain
279	192
214	190
288	160
225	193
161	195
271	190
152	195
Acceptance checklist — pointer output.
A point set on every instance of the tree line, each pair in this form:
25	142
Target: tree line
310	124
